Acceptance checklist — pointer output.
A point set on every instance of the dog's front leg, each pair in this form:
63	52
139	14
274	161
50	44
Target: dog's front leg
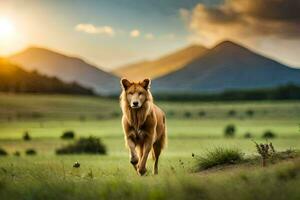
146	149
134	159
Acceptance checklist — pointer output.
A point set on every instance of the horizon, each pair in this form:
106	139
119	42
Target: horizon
149	30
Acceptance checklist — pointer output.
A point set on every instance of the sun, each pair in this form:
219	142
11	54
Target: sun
6	28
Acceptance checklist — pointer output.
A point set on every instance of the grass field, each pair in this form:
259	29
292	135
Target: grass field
192	128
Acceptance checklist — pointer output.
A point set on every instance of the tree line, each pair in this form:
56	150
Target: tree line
285	92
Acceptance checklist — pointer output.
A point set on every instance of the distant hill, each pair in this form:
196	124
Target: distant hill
66	68
227	66
162	66
16	80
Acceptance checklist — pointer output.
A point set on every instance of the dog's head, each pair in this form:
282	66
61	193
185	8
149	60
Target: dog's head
136	93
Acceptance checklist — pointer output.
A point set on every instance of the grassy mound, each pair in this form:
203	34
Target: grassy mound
90	145
219	156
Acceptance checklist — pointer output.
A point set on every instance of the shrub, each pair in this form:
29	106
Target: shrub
248	135
171	113
115	114
17	153
26	136
219	156
201	113
250	113
3	152
68	135
187	114
229	130
30	152
90	145
268	134
231	113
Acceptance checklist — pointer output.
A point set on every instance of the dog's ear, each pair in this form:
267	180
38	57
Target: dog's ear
125	84
146	83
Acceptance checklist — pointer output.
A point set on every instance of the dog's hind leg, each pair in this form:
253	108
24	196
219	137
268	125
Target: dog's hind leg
156	150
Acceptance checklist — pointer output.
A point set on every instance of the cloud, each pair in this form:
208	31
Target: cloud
149	36
91	29
135	33
245	19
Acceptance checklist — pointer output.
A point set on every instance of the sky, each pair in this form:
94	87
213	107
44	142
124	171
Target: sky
112	33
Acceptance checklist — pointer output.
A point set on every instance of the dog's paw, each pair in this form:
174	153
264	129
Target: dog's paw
141	171
134	160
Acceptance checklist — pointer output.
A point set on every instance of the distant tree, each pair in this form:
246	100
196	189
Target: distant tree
268	134
187	114
229	130
231	113
68	135
201	113
26	136
30	152
250	112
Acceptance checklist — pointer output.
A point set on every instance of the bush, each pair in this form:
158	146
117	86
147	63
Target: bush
229	130
268	134
219	156
68	135
231	113
201	113
26	136
250	113
3	152
17	153
248	135
30	152
90	145
115	114
187	114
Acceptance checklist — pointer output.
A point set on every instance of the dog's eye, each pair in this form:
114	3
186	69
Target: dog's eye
140	93
130	93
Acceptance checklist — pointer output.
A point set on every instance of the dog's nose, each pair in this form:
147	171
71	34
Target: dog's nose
135	103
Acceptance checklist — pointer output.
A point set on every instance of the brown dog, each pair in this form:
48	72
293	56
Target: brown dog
143	123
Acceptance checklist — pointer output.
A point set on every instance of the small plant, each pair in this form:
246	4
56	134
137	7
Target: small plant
68	135
268	135
219	156
231	113
26	136
30	152
3	152
265	151
248	135
229	130
76	165
90	145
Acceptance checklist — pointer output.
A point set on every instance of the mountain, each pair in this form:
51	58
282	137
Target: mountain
161	66
66	68
227	66
15	79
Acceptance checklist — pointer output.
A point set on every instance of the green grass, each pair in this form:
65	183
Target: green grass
50	176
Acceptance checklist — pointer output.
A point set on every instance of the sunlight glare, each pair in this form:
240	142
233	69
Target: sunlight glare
6	28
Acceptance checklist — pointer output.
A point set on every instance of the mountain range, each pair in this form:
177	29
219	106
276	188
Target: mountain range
66	68
226	66
161	66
